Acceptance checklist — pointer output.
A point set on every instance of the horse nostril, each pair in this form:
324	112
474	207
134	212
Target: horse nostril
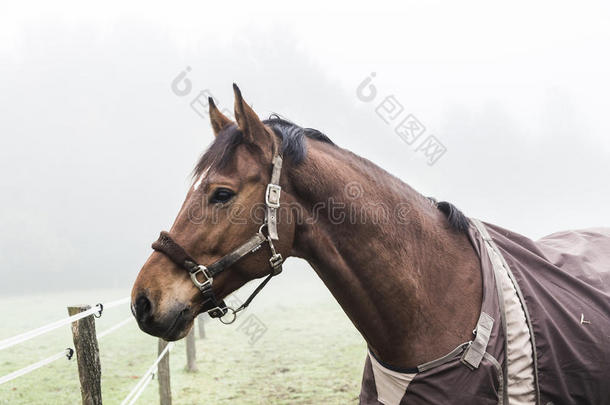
143	308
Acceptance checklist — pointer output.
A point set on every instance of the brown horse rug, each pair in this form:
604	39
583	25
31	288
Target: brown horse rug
543	335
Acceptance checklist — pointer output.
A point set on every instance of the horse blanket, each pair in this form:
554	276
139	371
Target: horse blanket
543	335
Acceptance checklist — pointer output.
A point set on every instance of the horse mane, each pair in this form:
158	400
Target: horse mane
291	136
456	218
293	147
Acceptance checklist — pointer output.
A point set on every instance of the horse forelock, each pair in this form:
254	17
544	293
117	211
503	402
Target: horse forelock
291	136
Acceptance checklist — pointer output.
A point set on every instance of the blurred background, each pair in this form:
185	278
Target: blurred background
101	123
96	149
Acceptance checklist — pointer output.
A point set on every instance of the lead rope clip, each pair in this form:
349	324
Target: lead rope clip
276	259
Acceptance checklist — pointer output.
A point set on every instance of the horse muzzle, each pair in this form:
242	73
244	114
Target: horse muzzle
172	324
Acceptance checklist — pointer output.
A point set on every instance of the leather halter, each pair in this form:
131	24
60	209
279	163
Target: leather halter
166	245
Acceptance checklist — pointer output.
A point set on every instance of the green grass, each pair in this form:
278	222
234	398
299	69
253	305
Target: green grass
310	353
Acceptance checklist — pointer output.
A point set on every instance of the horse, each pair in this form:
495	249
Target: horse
453	310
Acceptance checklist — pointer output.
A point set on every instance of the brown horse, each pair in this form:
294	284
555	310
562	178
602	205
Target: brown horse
404	268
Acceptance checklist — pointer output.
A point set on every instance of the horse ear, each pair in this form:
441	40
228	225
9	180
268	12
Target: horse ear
217	119
248	122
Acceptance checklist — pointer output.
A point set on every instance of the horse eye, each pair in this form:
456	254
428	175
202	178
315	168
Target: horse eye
221	195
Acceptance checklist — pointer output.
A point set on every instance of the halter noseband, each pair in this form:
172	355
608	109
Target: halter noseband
166	245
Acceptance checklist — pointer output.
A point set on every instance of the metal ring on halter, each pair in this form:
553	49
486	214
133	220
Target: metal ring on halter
260	230
233	314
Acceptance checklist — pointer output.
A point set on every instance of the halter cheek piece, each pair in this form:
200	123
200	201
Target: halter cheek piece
166	245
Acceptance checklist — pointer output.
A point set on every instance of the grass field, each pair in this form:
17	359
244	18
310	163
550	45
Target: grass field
309	352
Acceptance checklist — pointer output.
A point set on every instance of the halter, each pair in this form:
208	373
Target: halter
166	245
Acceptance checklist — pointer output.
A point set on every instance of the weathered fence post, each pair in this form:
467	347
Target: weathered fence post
191	354
87	356
165	388
200	324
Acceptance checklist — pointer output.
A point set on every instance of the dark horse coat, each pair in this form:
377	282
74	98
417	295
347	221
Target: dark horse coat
543	336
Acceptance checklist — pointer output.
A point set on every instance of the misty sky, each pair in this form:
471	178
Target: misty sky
96	149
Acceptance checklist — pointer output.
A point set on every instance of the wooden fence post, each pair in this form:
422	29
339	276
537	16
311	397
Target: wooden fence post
165	388
200	324
87	356
191	354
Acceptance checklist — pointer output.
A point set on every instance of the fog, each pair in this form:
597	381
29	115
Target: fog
96	148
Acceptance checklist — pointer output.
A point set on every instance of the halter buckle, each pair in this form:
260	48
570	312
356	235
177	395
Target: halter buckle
207	283
218	312
272	195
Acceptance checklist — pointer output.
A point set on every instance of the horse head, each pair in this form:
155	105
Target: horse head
225	234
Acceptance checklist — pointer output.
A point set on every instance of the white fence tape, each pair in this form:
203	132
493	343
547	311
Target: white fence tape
116	303
12	341
137	390
6	343
66	352
145	383
115	327
35	366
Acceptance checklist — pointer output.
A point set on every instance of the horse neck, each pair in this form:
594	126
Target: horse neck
409	284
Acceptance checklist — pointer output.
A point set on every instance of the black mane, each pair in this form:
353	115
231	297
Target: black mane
457	220
293	147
